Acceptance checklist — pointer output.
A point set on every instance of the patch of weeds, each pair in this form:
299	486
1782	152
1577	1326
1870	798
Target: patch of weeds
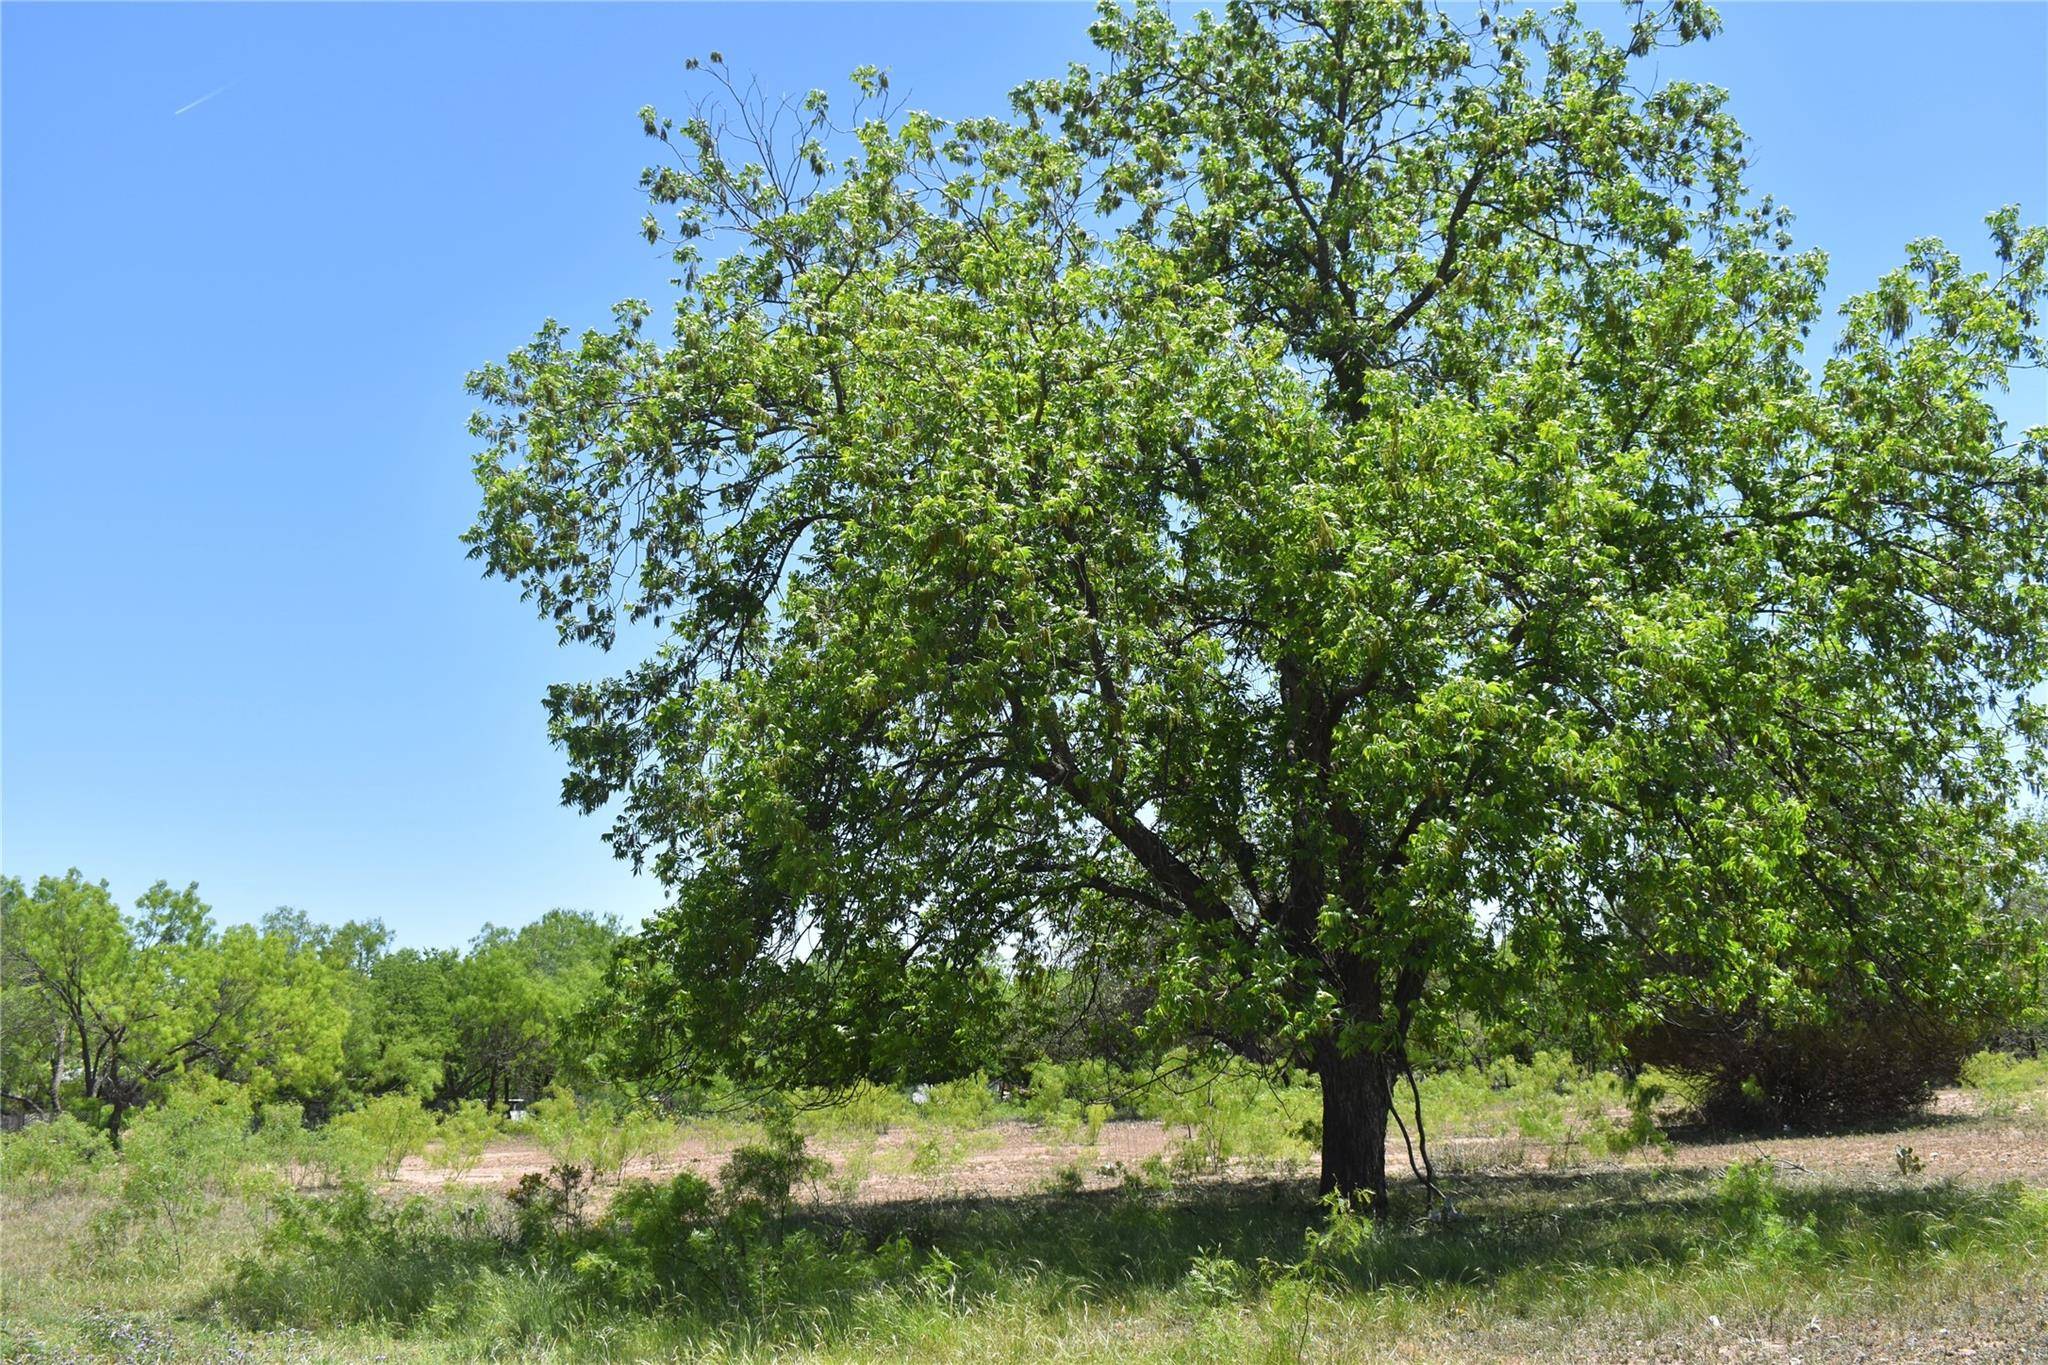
392	1127
852	1173
1093	1118
598	1136
180	1161
1215	1281
938	1151
1067	1180
461	1137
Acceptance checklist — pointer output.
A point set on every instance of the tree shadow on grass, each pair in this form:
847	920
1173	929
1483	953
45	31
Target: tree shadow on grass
825	1274
1526	1224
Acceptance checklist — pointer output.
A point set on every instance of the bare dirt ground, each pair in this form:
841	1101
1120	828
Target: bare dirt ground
1017	1158
1003	1158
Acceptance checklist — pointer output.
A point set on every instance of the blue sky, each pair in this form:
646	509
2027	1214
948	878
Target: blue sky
241	643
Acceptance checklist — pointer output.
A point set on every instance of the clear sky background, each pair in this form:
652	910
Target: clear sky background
248	253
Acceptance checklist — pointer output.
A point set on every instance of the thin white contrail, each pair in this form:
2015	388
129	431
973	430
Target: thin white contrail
196	103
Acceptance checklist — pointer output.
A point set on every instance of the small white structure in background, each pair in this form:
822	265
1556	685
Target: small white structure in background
515	1111
920	1095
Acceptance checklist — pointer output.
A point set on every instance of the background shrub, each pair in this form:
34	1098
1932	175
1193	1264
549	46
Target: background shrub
1879	1060
392	1128
57	1153
180	1161
599	1136
461	1136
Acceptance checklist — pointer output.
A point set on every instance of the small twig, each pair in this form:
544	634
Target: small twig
1787	1163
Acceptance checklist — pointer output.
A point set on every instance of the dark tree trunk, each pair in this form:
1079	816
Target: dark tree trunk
57	1070
1355	1127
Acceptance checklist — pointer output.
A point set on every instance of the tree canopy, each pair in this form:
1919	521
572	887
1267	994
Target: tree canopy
132	1002
1335	505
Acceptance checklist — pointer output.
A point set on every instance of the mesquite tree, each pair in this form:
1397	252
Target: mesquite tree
126	1004
1333	506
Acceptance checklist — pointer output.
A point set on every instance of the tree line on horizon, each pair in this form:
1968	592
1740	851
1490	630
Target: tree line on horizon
102	1009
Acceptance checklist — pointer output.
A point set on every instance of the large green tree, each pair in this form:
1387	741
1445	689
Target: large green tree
1334	503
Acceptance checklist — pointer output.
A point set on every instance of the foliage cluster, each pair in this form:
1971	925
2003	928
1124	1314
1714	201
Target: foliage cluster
50	1155
597	1135
1865	1060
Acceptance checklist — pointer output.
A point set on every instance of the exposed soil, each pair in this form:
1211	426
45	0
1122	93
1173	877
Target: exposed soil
1003	1158
1016	1158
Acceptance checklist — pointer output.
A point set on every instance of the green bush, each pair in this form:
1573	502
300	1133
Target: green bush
1872	1059
1045	1098
283	1143
657	1239
545	1207
1750	1203
354	1257
965	1103
762	1177
861	1110
53	1154
1550	1099
1216	1282
548	1274
1224	1111
179	1161
1094	1117
598	1136
392	1127
1230	1112
460	1138
352	1147
336	1156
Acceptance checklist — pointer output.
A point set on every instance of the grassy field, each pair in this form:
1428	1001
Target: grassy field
976	1232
